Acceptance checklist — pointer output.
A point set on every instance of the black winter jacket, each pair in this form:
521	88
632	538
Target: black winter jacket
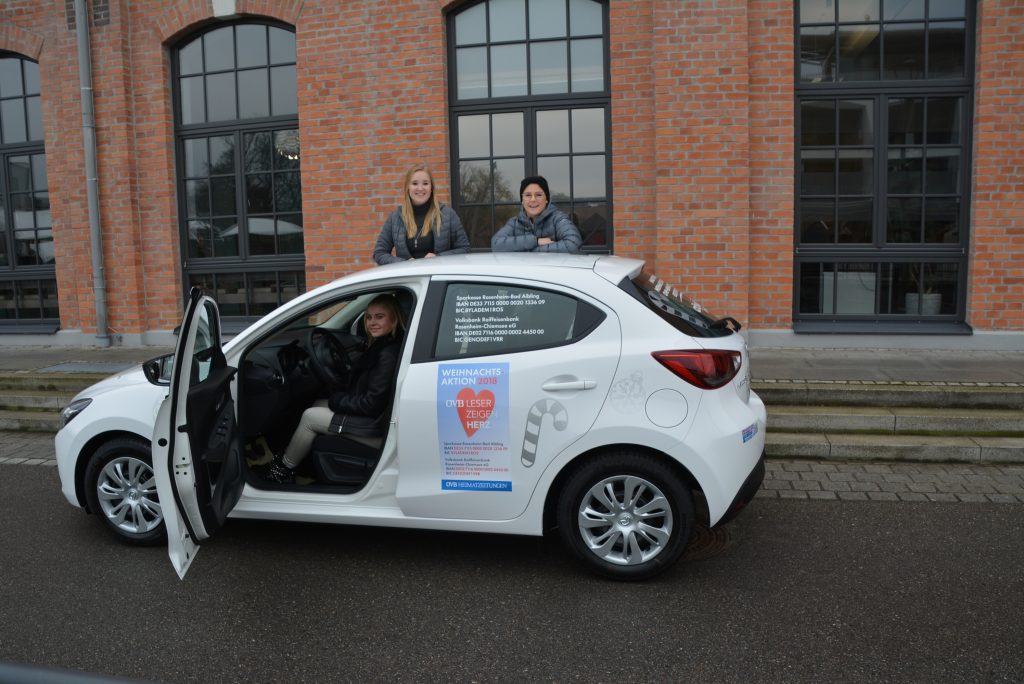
372	375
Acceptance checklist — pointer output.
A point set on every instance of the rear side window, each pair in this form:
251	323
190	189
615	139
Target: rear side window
675	308
479	319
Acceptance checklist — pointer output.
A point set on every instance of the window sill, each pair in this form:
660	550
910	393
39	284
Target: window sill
882	328
34	328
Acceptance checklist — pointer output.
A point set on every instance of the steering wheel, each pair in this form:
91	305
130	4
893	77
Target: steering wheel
330	360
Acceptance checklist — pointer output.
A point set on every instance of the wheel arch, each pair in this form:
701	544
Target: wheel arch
558	484
86	454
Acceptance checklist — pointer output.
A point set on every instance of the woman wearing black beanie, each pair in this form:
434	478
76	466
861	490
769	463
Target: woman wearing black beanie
539	226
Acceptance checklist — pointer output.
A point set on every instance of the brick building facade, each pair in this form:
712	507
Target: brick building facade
715	151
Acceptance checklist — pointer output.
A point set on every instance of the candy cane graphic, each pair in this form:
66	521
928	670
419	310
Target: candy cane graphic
543	407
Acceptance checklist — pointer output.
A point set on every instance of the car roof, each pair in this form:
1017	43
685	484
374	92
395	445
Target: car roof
503	264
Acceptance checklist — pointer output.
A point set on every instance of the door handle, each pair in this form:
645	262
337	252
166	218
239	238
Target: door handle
568	386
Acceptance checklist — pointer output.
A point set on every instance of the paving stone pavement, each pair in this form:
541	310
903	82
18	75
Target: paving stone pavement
784	478
947	482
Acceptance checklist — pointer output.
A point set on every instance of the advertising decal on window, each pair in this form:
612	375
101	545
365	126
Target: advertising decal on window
472	426
472	327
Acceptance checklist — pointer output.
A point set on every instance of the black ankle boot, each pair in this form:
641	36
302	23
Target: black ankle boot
279	473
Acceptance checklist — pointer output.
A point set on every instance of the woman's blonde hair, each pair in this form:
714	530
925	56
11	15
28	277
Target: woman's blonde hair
433	217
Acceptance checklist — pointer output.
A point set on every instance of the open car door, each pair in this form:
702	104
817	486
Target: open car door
197	451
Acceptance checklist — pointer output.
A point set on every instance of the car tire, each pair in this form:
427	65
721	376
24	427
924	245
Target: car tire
121	490
625	515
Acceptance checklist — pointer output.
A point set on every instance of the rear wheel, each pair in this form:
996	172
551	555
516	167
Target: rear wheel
121	490
625	515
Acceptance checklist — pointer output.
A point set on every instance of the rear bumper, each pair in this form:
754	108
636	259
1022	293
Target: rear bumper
746	492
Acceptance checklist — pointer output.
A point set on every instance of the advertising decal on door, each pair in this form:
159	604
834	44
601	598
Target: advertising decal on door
472	426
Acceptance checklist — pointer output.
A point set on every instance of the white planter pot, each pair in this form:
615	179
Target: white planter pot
930	305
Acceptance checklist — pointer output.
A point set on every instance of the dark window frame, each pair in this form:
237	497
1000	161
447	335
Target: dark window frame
969	25
529	105
244	264
19	276
878	251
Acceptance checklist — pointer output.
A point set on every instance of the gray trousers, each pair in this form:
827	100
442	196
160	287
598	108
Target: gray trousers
315	421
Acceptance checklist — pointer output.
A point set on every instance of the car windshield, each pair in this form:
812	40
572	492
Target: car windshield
676	308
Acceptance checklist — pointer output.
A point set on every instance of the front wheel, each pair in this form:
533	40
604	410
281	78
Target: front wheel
121	489
625	515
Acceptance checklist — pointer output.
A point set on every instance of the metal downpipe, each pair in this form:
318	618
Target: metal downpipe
92	182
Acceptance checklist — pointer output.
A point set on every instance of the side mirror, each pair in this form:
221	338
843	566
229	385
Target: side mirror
158	370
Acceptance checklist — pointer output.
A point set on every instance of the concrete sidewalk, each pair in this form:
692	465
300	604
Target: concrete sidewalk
75	359
857	366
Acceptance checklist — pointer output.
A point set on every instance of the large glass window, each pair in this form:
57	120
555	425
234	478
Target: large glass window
28	285
529	95
882	40
884	89
239	166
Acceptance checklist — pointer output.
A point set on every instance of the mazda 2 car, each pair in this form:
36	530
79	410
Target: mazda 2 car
533	392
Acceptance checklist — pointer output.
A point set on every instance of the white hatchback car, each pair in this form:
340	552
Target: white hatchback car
532	392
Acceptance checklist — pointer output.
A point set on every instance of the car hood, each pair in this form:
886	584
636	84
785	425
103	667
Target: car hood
126	378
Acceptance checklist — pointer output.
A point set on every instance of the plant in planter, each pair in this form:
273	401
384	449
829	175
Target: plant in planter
922	299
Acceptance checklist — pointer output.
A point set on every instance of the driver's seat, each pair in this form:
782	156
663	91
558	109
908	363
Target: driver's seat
349	460
345	460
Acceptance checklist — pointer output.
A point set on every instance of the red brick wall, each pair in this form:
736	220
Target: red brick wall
368	108
772	152
702	136
996	292
702	128
634	165
123	251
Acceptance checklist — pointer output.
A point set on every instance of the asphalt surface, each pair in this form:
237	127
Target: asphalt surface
792	590
857	572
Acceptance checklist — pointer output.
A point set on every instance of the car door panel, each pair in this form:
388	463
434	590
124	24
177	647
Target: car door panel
213	433
551	396
198	458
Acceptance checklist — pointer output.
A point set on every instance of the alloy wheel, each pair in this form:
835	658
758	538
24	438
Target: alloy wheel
126	488
625	520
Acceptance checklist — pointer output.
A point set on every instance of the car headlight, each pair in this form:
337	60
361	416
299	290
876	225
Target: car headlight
68	413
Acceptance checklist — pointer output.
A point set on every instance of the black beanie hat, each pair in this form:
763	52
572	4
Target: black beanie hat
539	180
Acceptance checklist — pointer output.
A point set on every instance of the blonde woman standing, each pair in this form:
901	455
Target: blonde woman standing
421	227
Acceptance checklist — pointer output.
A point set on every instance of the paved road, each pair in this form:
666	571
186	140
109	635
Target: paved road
794	590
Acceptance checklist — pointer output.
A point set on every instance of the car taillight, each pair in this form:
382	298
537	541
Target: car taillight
704	368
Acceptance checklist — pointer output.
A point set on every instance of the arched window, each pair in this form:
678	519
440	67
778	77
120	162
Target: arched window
240	191
28	285
529	95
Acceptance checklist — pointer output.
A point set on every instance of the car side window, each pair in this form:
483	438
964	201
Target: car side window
479	319
207	342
